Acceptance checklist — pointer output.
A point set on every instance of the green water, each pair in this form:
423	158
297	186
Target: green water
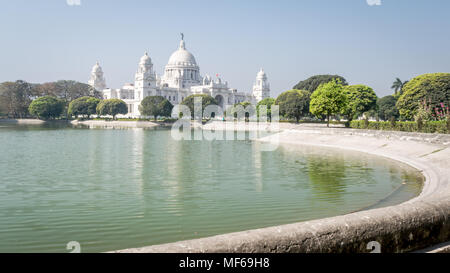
116	189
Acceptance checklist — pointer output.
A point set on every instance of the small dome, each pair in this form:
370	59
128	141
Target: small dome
96	68
261	74
146	59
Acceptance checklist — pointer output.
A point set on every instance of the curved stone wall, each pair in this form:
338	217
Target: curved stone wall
416	224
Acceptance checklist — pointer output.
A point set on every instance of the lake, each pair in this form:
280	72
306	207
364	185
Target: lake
116	189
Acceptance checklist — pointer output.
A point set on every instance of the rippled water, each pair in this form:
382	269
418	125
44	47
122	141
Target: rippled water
115	189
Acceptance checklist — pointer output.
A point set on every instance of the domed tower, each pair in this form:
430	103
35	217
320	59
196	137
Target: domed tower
261	88
145	79
182	70
97	79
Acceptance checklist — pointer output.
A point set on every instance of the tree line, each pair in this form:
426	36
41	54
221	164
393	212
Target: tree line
324	97
424	98
16	97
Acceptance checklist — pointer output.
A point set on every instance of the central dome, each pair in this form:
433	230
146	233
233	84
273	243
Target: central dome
182	70
182	57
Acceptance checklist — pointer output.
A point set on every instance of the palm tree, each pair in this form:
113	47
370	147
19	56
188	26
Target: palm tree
398	86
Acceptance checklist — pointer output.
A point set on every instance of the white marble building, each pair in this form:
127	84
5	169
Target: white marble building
181	79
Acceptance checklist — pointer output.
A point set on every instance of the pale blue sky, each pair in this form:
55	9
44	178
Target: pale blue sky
47	40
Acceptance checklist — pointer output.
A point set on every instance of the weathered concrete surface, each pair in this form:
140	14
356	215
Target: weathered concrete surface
440	248
22	121
255	126
89	123
413	225
116	124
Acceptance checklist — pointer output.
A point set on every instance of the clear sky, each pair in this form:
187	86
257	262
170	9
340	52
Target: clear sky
48	40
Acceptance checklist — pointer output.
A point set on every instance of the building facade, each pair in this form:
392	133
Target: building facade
181	79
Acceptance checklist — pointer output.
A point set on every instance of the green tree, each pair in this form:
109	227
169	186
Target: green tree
398	86
46	107
312	83
329	99
112	107
206	101
433	88
155	106
2	109
83	106
386	108
15	98
294	103
361	99
3	105
268	102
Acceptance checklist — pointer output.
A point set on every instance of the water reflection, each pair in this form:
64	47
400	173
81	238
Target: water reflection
136	159
327	177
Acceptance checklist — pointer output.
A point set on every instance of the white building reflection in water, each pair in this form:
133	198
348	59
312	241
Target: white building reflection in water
136	159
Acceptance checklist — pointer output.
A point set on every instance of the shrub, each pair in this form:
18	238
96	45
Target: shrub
434	88
361	99
419	121
440	127
393	122
294	104
46	107
366	122
83	106
112	107
329	99
386	108
156	106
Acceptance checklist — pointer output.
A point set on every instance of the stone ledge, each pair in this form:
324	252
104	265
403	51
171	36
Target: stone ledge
23	121
440	248
115	124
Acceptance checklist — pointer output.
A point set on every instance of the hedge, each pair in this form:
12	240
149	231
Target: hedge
441	127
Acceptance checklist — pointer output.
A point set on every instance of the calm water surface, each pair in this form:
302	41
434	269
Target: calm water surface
115	189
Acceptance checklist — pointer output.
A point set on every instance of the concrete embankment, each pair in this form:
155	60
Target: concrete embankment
22	121
413	225
89	123
116	124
